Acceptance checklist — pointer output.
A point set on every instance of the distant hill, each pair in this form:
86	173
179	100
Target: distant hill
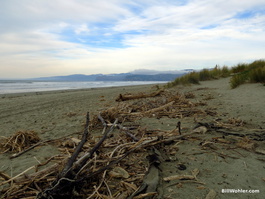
156	72
76	77
147	75
113	77
157	77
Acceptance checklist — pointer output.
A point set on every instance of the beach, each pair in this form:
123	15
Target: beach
55	114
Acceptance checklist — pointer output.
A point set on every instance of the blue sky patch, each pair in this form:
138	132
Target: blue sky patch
250	13
245	14
98	37
212	26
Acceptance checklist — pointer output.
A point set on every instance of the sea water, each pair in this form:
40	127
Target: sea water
24	86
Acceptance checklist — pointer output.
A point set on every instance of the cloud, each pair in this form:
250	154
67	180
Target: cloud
82	29
40	38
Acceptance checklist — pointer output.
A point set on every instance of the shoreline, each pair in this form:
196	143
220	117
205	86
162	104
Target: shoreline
61	86
17	94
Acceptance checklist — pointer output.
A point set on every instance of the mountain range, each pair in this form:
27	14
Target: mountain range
137	75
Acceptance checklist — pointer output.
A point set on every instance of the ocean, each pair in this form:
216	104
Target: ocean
24	86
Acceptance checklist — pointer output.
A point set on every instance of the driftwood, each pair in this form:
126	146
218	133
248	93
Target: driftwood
40	174
78	149
124	129
69	177
154	110
125	97
185	178
4	176
19	141
226	130
38	144
168	104
151	179
65	183
82	170
82	161
26	150
159	108
12	179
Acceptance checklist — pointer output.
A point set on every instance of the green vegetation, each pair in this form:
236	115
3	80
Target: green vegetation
240	74
190	78
253	72
237	80
203	75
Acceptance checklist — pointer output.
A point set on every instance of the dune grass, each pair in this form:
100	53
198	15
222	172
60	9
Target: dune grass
203	75
240	74
253	73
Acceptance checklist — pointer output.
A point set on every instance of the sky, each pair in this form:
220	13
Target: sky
47	38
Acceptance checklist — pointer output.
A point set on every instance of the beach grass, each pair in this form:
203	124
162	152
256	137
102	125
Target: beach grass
203	75
240	74
253	73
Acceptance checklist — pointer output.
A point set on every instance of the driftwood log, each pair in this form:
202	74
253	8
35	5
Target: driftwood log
124	97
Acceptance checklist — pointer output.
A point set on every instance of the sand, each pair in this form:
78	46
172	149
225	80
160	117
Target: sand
60	113
52	115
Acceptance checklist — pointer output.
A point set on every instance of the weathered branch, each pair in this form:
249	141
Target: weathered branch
102	121
11	179
26	150
82	161
127	131
65	181
71	160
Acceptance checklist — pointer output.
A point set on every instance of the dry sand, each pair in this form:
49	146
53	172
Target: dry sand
56	114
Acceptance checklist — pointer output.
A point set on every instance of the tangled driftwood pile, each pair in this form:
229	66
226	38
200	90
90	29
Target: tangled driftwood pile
19	141
169	104
123	162
94	173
